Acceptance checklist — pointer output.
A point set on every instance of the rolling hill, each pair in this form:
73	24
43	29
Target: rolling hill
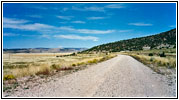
162	40
43	50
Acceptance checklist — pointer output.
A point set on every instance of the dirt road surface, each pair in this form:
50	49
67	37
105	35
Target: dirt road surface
122	76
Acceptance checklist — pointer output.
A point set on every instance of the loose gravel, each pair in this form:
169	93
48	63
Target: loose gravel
122	76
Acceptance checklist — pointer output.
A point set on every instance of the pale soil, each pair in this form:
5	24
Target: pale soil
122	76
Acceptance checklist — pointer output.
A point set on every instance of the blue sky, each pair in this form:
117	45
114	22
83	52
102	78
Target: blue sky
60	25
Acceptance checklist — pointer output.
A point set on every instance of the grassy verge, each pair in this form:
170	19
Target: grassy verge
32	65
44	66
156	62
162	61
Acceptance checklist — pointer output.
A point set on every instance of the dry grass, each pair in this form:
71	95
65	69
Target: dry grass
31	70
153	57
39	54
169	62
161	65
20	65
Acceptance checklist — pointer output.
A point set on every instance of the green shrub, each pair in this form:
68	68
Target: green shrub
10	66
151	59
6	88
104	58
150	54
41	61
73	54
8	77
54	66
82	63
20	62
67	68
162	54
73	64
43	72
90	61
93	61
21	66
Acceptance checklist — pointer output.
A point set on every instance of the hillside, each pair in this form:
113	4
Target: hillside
163	40
43	50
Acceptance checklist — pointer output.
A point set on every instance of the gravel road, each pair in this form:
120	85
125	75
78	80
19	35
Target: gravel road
121	76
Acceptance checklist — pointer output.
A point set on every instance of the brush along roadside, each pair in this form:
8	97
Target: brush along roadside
162	65
12	72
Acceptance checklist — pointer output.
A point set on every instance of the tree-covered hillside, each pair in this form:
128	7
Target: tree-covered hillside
158	41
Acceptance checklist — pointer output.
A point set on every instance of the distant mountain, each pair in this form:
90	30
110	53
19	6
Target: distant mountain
163	40
43	50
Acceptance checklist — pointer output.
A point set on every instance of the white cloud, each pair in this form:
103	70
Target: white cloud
10	34
61	47
115	6
92	8
51	29
25	35
65	9
172	26
13	21
35	16
23	25
95	18
45	36
63	22
140	24
86	31
32	35
98	8
124	31
31	27
65	17
77	37
39	7
77	8
101	9
67	28
78	22
45	29
43	7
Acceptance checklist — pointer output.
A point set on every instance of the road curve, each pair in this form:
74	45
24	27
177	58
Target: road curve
122	76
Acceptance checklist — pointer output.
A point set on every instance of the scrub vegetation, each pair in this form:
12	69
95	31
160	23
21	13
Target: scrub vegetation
158	60
20	65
